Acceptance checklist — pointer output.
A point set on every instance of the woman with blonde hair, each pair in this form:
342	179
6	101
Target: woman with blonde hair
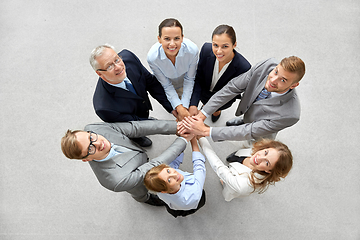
181	191
253	170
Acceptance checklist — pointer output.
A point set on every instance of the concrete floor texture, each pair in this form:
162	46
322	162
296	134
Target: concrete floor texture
47	88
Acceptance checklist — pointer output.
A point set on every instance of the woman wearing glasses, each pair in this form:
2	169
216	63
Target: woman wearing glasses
173	60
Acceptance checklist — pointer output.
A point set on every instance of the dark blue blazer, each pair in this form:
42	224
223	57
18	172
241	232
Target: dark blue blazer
204	74
113	104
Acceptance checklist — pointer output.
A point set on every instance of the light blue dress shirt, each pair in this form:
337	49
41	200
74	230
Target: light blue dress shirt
122	84
191	187
173	77
113	152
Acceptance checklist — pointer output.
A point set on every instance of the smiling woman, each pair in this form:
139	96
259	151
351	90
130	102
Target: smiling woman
219	62
253	170
173	60
181	191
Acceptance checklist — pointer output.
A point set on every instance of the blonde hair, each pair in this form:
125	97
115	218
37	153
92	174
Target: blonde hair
70	146
153	182
295	65
280	170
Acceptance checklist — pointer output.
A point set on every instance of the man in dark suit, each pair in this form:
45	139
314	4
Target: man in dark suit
121	94
117	162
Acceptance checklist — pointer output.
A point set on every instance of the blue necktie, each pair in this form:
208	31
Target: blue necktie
129	86
263	94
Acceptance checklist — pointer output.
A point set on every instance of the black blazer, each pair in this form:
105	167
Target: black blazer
204	74
113	104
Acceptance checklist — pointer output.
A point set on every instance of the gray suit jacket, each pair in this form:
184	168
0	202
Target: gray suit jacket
263	118
126	171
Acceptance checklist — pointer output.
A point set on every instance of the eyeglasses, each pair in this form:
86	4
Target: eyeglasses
112	66
92	148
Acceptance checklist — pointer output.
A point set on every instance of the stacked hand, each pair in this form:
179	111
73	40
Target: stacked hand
180	112
193	125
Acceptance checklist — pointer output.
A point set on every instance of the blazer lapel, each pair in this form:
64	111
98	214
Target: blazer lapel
210	63
122	158
258	89
226	76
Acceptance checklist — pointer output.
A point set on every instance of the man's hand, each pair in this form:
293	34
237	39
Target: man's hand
182	112
201	116
193	125
193	110
174	112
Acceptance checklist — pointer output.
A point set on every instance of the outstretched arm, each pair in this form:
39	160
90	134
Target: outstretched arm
194	125
239	183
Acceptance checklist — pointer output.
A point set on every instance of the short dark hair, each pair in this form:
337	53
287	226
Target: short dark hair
221	29
170	22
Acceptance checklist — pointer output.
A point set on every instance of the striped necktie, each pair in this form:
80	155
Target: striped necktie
263	94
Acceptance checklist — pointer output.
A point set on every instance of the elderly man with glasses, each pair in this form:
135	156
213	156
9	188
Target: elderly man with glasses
121	94
118	163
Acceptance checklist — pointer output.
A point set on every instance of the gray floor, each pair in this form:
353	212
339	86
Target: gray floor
47	88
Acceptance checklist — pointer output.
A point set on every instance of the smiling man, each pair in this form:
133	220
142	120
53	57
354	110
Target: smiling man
121	94
118	163
269	102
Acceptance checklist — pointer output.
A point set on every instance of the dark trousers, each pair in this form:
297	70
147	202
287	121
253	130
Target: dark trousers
184	213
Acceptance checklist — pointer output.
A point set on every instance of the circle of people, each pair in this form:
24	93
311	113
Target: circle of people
182	78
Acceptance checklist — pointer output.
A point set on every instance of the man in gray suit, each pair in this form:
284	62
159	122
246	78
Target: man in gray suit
269	102
117	162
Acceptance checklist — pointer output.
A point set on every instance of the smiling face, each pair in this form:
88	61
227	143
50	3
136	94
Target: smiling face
280	80
223	48
172	179
264	160
118	73
102	146
171	39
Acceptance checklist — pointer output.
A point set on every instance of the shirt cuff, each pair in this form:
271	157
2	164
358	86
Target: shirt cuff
186	141
210	132
206	115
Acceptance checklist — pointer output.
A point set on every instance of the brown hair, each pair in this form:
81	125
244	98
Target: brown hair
170	22
70	146
280	170
225	29
295	65
152	180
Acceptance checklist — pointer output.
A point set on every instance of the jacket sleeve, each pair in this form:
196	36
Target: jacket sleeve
239	183
109	115
137	176
233	88
199	78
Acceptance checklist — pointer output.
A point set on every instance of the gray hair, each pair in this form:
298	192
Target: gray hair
98	51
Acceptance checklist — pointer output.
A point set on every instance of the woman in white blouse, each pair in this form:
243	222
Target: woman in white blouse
257	168
173	60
